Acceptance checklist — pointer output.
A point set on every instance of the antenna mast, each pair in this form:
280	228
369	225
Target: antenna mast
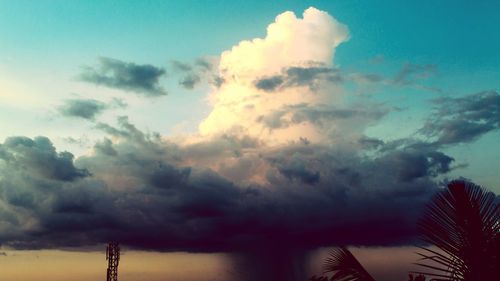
113	257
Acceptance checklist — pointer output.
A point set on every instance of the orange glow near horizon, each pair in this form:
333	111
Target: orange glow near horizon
56	265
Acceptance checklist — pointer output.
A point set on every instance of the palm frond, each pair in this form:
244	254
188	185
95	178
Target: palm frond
463	222
345	267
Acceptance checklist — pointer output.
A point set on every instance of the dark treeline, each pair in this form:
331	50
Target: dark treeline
462	221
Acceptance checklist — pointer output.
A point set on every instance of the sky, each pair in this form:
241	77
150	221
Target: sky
210	130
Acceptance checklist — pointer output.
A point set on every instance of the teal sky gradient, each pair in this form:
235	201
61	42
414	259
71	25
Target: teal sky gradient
448	33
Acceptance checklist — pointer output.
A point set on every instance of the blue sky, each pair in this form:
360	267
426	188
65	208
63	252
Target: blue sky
449	32
350	101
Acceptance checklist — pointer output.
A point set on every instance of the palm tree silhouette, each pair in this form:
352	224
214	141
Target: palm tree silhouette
462	221
345	267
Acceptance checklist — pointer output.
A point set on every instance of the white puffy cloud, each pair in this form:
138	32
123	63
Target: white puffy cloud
289	41
297	47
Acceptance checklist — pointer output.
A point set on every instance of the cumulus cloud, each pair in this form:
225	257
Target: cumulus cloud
141	79
290	41
292	65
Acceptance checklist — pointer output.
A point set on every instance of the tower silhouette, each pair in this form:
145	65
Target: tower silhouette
113	258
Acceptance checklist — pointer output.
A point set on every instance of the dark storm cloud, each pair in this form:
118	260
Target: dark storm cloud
82	108
113	73
141	194
297	170
149	193
39	156
298	76
463	119
409	164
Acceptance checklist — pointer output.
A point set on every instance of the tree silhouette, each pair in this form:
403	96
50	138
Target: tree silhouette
345	267
463	222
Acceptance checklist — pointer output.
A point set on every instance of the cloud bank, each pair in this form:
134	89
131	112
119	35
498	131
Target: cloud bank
140	192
